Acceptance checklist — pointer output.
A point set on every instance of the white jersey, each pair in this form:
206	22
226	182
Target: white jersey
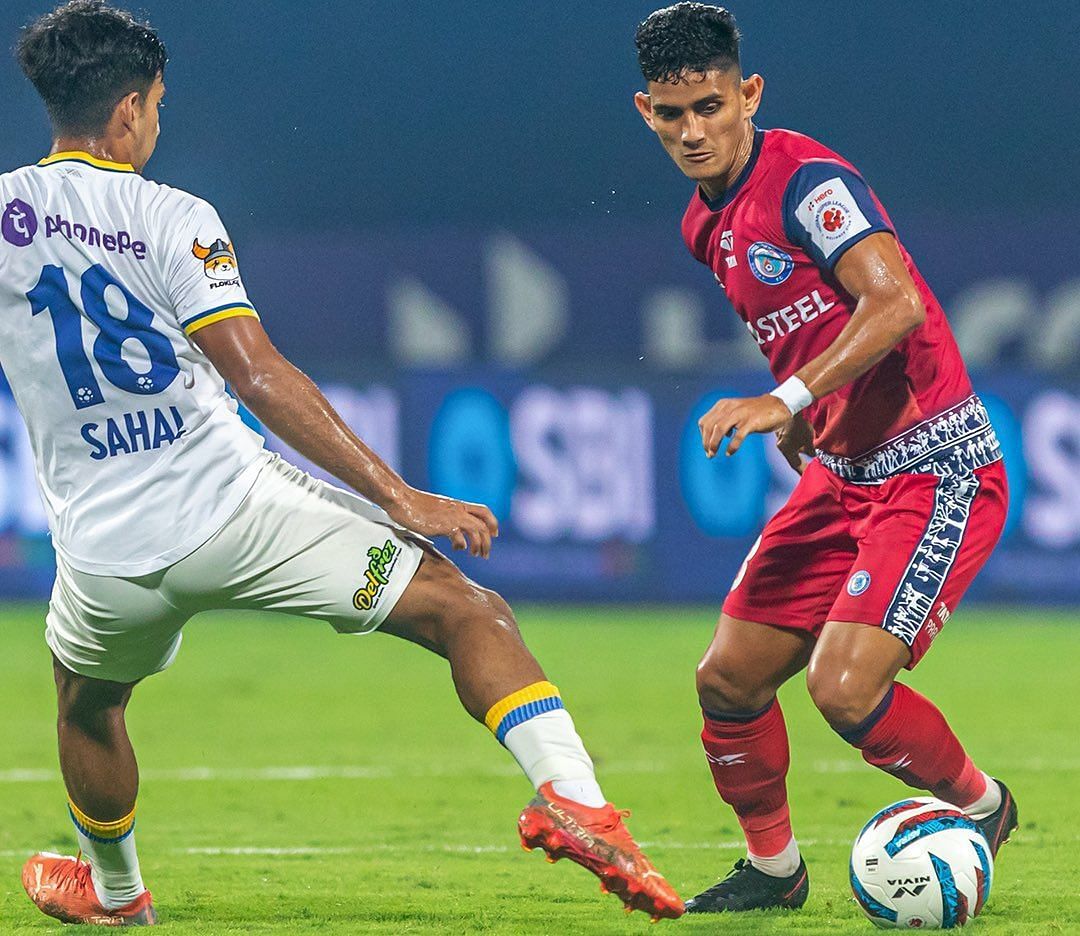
141	455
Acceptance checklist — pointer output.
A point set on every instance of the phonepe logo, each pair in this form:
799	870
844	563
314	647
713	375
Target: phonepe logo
19	223
121	242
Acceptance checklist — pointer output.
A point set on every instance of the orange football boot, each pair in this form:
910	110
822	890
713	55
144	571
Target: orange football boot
61	887
597	839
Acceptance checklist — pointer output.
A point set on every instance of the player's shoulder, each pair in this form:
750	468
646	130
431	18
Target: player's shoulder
13	174
175	201
786	152
17	178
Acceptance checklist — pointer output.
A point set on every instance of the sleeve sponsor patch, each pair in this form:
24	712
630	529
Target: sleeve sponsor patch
831	216
201	274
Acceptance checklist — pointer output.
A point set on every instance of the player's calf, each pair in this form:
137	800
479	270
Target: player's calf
99	771
898	730
501	684
746	747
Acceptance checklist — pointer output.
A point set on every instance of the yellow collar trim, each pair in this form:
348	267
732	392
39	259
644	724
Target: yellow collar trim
80	156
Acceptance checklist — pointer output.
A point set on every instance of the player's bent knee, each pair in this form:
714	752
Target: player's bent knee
480	607
466	605
88	703
721	688
844	703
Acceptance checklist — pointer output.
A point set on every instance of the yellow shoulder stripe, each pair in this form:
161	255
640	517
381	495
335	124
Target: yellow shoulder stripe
231	312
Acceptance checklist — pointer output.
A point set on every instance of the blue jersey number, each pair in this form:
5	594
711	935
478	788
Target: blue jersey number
51	294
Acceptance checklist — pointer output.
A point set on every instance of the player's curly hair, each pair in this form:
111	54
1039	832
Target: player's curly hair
83	57
687	38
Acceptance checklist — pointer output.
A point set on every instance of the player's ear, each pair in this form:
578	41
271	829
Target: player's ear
129	109
751	89
643	103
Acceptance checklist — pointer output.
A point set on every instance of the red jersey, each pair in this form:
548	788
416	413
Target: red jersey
773	240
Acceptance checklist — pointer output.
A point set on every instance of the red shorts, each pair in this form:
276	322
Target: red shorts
897	555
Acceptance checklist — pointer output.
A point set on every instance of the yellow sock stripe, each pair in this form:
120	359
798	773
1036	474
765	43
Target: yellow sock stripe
533	693
116	829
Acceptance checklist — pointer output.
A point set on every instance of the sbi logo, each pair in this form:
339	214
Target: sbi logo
18	224
768	263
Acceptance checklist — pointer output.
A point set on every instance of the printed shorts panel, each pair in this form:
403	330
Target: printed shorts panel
295	545
898	555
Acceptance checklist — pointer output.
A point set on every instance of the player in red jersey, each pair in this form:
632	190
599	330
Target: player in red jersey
905	496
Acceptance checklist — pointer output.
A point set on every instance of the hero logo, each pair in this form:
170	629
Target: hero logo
19	223
831	215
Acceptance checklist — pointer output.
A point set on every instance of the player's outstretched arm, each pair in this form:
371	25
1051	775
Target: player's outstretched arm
289	403
888	309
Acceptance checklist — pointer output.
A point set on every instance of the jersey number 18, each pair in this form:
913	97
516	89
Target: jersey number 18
51	295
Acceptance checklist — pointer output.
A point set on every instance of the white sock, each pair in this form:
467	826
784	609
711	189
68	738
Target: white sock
585	791
547	747
114	863
782	865
987	803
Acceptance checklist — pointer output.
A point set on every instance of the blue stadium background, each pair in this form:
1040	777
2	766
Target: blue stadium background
452	217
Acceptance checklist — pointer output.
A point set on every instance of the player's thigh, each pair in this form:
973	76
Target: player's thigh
117	630
927	539
791	575
298	545
747	662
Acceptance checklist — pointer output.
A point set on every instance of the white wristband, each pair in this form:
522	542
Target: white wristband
794	395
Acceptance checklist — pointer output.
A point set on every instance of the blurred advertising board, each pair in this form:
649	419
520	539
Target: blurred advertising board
603	490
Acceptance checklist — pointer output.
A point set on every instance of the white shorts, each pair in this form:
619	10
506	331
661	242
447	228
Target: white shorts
295	544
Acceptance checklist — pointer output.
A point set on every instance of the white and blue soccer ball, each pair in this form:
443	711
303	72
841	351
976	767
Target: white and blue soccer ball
921	864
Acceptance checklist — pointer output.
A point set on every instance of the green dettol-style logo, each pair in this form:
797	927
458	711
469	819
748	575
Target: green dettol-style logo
381	562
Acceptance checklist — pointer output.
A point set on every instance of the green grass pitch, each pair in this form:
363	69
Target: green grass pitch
296	781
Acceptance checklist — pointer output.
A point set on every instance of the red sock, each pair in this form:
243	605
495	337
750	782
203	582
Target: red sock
908	737
748	756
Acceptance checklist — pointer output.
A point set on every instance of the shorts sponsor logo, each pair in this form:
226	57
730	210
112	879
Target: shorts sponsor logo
219	262
769	263
381	562
19	223
858	583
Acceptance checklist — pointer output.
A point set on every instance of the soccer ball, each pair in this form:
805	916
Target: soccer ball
921	864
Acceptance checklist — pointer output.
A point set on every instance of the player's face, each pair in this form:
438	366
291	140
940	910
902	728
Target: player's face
703	120
146	123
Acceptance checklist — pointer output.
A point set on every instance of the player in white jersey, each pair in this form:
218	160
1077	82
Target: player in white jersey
122	315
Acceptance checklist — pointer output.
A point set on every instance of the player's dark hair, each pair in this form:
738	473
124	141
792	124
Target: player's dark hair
687	38
84	57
